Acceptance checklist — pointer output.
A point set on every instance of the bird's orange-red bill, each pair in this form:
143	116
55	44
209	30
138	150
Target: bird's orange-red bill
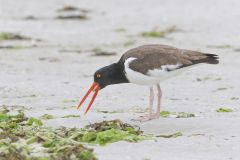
95	87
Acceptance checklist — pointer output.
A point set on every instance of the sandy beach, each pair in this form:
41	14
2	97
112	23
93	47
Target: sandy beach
50	72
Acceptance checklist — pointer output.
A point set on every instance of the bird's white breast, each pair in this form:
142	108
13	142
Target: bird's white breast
152	77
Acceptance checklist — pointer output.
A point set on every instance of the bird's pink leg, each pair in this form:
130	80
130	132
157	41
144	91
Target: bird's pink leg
151	100
159	98
157	114
159	95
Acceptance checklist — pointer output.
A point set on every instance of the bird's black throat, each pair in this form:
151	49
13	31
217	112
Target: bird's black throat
111	74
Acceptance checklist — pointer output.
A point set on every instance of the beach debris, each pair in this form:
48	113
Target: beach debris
72	17
110	112
70	8
12	36
70	50
160	33
196	134
185	115
46	117
29	138
70	100
220	89
100	52
120	30
67	8
203	78
213	78
234	98
30	17
166	114
69	12
26	138
174	135
71	116
16	47
49	59
111	131
224	46
224	110
237	49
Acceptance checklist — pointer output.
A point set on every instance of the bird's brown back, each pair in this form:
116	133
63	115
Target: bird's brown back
154	56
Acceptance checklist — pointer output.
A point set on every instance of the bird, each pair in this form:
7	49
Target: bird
147	65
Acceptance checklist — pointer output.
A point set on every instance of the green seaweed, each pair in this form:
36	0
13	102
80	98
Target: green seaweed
34	122
71	116
224	110
22	137
47	116
110	136
114	135
70	101
19	141
157	33
165	114
185	115
109	132
12	36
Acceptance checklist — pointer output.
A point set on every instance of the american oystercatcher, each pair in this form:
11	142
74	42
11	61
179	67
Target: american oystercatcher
147	65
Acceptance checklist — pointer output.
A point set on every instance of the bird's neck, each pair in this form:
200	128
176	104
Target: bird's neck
118	75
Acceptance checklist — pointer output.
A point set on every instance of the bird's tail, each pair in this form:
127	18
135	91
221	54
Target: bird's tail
211	59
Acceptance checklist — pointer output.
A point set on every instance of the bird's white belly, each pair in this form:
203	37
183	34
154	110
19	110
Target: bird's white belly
139	78
152	77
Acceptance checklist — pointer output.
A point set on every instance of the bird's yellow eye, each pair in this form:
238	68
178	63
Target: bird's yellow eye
98	75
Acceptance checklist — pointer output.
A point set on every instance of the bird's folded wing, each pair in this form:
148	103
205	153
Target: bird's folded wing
150	57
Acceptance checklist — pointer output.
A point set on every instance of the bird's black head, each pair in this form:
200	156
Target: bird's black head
112	74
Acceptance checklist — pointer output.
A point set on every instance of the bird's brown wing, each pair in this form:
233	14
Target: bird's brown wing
151	57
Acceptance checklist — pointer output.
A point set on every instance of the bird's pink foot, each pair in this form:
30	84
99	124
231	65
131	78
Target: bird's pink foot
147	117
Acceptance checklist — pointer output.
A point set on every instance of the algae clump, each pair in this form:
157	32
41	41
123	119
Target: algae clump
71	116
26	138
12	36
164	114
109	132
185	115
160	33
224	110
47	116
